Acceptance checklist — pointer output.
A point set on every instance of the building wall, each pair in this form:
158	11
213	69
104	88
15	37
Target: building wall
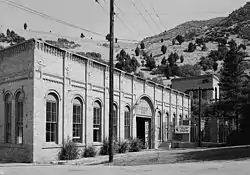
69	76
16	75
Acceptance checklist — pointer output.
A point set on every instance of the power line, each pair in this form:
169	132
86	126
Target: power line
149	14
157	15
145	20
119	18
27	9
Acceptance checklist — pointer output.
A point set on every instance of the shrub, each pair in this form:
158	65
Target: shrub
142	45
123	147
188	70
137	51
180	39
162	40
215	66
105	147
191	47
163	49
164	61
69	151
89	152
182	58
206	63
135	145
140	74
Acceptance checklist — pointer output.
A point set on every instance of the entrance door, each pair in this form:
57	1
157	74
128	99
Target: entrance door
143	126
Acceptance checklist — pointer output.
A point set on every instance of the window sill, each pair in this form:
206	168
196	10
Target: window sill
51	145
11	145
97	144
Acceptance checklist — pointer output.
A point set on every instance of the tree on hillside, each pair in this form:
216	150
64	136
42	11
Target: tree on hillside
82	35
206	63
191	47
108	37
231	84
8	32
182	58
162	40
125	63
163	49
180	39
199	41
172	58
204	47
137	51
25	26
173	41
164	61
142	45
215	66
167	71
150	62
188	70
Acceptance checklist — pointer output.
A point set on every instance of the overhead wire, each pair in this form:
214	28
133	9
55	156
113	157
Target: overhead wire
27	9
150	16
144	19
157	15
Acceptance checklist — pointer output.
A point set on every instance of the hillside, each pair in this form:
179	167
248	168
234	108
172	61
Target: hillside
183	29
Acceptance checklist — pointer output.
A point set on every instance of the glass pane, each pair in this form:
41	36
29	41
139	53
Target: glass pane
54	107
48	106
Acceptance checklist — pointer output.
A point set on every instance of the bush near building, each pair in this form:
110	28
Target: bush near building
69	151
90	151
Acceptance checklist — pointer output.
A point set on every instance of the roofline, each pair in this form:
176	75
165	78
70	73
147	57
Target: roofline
98	62
197	77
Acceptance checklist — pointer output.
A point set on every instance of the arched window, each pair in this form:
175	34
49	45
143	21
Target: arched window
52	118
77	120
115	116
127	123
97	121
159	125
8	107
19	117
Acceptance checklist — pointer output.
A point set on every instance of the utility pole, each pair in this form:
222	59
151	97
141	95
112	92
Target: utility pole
199	117
111	81
199	122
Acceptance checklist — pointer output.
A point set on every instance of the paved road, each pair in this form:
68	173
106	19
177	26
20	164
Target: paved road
201	168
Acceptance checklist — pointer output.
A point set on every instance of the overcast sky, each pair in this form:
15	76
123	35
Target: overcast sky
90	15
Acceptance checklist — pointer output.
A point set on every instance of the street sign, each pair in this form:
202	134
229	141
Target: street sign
182	129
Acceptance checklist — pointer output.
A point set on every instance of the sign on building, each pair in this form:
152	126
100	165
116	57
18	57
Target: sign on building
182	129
143	108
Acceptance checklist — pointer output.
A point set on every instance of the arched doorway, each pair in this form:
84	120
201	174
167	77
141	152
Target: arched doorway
144	114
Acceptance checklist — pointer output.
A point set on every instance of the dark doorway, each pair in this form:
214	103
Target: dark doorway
143	126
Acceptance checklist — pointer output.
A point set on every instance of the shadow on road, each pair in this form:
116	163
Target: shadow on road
233	153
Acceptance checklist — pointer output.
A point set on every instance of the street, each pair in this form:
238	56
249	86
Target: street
240	167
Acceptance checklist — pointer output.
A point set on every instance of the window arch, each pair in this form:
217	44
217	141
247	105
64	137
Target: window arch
19	117
77	120
97	122
159	124
127	123
115	116
52	118
8	107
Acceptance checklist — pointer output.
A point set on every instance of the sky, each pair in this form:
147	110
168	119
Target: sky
90	15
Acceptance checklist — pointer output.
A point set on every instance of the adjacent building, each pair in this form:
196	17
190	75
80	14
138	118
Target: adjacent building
213	129
48	95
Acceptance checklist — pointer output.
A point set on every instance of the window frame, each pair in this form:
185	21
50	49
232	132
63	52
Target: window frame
79	117
53	132
97	121
127	123
115	122
7	117
19	111
159	123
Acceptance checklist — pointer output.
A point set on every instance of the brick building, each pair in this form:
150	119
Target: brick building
49	94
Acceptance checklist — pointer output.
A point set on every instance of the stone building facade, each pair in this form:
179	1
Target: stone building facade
49	94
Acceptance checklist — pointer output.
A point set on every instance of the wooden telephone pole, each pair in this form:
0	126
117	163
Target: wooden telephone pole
111	81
